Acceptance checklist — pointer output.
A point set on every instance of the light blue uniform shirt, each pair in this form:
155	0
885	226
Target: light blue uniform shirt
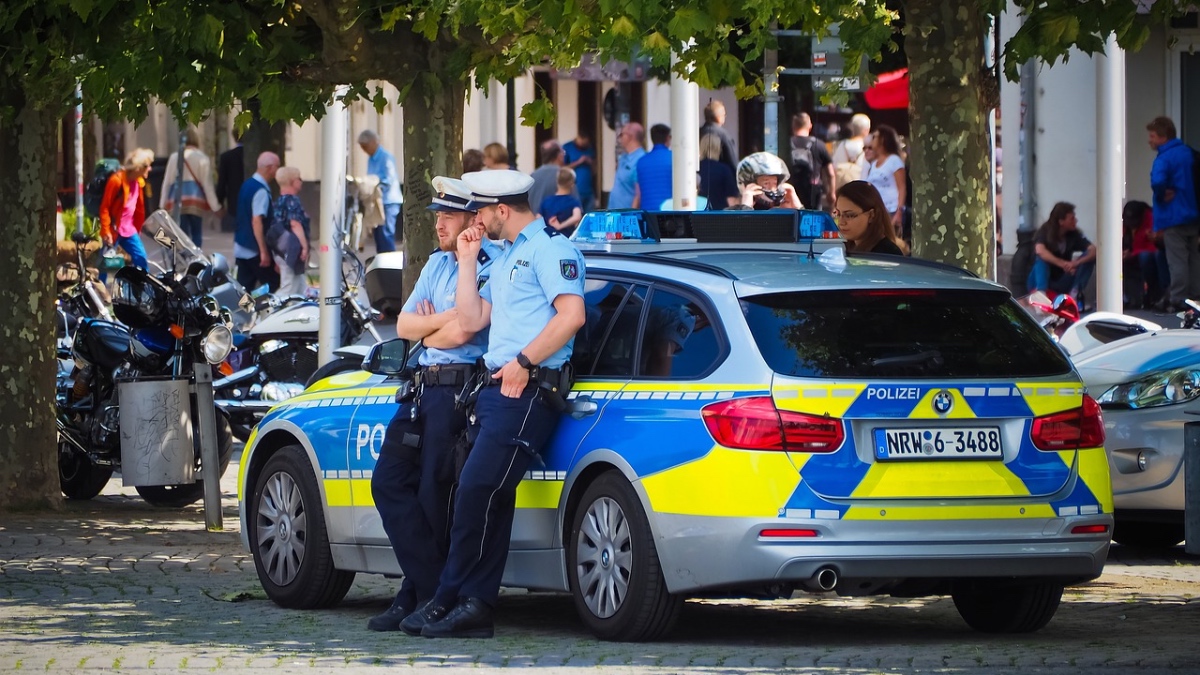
382	164
539	266
438	284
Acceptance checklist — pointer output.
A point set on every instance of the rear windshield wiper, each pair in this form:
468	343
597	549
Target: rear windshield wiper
930	357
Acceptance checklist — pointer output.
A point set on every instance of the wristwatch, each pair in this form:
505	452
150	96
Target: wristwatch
524	361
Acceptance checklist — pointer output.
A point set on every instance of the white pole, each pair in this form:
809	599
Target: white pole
1110	173
79	157
333	197
771	102
685	142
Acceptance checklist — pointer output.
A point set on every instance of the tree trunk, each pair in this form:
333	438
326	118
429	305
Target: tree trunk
262	136
433	132
28	454
952	220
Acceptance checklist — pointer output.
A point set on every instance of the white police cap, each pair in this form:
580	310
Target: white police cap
451	194
502	186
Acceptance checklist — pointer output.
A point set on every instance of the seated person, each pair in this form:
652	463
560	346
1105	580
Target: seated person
1064	258
667	329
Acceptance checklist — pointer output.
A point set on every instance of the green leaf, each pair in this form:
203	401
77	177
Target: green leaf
538	111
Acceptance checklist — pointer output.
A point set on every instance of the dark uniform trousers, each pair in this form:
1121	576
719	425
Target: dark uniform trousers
412	488
506	435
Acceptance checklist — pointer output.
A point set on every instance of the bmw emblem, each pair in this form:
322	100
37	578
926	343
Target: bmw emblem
942	402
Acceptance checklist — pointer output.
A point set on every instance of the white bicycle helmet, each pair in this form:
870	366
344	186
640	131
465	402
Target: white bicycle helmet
761	164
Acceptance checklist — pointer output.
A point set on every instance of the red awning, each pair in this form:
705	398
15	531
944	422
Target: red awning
890	91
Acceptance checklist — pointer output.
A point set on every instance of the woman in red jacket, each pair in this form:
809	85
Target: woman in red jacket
123	209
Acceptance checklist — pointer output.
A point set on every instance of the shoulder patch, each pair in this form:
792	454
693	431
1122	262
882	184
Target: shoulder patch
569	269
552	231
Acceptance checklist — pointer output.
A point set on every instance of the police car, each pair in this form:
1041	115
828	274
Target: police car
755	418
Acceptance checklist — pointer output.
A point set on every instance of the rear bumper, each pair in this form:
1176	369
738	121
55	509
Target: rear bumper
699	553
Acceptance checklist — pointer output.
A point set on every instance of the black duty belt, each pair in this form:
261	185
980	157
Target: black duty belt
547	378
447	375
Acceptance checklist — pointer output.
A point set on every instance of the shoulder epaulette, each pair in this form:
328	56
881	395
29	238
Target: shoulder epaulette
483	256
552	231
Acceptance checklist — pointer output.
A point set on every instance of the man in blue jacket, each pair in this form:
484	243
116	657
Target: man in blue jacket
1175	212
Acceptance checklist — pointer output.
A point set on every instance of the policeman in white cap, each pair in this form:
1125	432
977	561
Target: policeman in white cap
533	304
412	480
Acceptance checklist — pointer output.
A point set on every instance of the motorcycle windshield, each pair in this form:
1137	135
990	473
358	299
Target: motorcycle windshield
161	228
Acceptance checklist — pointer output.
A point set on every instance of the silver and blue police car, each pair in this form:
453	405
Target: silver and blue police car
750	418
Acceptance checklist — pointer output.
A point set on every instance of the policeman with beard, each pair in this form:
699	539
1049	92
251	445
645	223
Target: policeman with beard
413	478
533	304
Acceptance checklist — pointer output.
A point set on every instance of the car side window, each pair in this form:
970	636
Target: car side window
678	340
604	347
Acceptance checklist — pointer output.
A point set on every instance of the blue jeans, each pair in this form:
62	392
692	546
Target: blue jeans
385	234
1039	277
1153	265
193	226
133	246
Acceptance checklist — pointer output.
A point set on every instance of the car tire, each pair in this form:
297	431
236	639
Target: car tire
335	367
288	537
998	607
78	476
613	568
1136	534
179	496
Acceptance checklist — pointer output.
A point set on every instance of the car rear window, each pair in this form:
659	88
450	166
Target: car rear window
900	333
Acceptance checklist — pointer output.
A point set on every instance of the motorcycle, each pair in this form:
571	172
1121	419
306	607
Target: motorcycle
1060	317
132	401
277	357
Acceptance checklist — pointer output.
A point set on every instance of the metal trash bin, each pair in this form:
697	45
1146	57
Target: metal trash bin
156	432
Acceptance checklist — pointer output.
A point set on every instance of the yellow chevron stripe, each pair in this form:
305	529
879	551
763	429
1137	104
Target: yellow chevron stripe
539	494
1094	472
725	483
1046	398
939	479
924	409
338	492
817	399
340	382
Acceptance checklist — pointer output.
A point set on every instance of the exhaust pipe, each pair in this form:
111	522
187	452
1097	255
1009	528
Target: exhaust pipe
823	581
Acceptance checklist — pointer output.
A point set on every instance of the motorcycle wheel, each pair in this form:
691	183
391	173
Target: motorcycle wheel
334	367
241	431
78	477
178	496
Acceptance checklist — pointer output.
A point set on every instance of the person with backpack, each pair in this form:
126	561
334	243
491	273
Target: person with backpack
849	157
123	208
1173	180
812	167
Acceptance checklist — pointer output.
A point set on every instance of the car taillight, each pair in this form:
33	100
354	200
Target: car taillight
1082	427
756	424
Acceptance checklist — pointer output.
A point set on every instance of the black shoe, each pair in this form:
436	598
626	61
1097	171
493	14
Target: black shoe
390	619
430	613
470	618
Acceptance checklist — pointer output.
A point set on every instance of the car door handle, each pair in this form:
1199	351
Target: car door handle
582	406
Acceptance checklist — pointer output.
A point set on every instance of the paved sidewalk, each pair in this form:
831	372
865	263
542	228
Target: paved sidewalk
114	584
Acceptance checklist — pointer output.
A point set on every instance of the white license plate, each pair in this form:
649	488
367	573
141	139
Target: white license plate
939	443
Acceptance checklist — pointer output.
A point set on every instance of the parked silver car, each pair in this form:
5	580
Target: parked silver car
1148	387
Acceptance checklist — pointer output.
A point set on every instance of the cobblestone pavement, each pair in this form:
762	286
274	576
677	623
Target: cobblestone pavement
114	584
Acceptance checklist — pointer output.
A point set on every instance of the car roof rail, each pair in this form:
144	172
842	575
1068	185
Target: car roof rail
673	262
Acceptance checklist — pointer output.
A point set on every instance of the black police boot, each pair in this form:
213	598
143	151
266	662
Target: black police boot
470	618
390	619
430	613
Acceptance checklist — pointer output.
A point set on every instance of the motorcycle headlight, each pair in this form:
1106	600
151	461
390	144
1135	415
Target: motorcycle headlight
1165	388
216	344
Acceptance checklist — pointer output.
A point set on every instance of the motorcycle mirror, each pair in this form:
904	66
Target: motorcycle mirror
387	358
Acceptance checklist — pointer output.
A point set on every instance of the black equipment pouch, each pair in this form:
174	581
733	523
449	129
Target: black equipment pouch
407	390
462	449
466	397
555	387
